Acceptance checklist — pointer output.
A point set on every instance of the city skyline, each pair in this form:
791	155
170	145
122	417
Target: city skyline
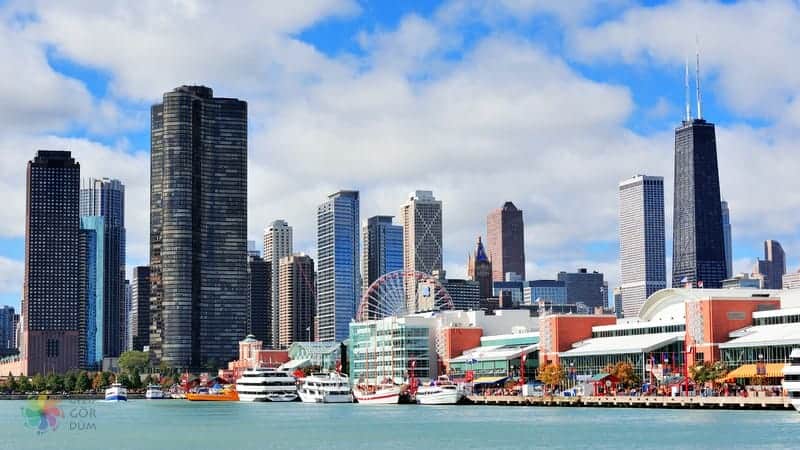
560	234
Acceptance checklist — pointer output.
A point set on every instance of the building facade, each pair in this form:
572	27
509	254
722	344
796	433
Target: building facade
466	294
297	300
381	249
259	309
791	280
93	307
479	268
106	198
551	291
773	267
642	259
698	242
338	278
51	291
7	331
277	244
198	228
727	239
421	217
505	239
584	287
140	308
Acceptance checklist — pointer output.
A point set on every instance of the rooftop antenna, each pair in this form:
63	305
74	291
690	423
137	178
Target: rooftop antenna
697	75
686	91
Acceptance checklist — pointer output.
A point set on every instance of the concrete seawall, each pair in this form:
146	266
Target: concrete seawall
640	402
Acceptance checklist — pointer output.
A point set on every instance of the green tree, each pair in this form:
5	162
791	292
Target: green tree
136	379
11	383
148	380
129	361
105	379
24	384
82	382
54	382
124	380
38	383
551	375
69	381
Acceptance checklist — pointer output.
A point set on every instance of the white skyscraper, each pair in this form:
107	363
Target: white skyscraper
277	244
421	217
641	240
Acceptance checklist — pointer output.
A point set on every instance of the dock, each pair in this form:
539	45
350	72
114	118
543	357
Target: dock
731	403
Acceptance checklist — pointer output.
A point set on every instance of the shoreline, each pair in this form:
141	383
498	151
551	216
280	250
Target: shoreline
718	403
137	396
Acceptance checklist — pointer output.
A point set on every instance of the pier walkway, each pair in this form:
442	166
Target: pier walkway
639	402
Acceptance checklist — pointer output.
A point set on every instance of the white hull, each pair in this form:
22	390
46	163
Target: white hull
116	393
266	385
791	379
389	396
154	396
326	398
438	397
267	397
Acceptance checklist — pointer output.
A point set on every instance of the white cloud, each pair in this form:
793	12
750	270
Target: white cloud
11	271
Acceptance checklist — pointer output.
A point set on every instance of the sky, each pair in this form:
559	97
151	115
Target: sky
546	104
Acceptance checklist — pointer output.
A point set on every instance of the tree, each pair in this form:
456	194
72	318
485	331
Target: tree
124	380
25	384
105	379
69	381
82	383
11	383
551	375
625	373
39	383
148	380
97	381
128	361
136	379
54	382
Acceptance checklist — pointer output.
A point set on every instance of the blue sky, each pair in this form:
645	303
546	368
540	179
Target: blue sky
544	104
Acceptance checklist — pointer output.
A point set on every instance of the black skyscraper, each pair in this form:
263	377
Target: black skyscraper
52	292
259	310
698	246
198	228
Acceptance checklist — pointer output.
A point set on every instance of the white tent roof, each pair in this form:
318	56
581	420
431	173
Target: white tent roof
781	334
495	353
640	343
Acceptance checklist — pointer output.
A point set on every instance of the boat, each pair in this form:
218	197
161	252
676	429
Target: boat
116	393
791	378
154	392
332	387
440	392
266	385
215	394
386	393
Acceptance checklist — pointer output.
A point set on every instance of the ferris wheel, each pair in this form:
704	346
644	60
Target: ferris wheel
386	296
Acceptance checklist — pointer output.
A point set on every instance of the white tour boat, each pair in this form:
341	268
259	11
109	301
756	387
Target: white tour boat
266	385
382	394
116	393
791	378
154	392
441	392
326	388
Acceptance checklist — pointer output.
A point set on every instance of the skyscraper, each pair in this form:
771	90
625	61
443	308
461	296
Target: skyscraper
296	302
277	244
140	308
93	309
421	217
259	309
726	236
505	241
643	268
7	345
51	291
338	279
127	313
479	268
585	287
105	198
773	267
698	241
198	228
382	249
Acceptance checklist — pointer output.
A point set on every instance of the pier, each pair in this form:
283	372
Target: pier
740	403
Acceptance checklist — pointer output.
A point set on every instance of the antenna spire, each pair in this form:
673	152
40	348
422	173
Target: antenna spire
697	75
686	91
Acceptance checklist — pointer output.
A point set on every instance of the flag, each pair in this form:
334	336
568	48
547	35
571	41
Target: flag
700	284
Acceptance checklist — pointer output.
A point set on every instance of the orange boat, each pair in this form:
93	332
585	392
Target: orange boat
226	395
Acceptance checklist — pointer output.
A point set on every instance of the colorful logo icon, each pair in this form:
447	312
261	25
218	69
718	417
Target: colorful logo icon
42	414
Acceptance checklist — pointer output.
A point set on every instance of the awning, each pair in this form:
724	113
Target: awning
295	364
773	370
489	380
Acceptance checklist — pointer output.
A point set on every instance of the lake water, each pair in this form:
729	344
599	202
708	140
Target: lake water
177	424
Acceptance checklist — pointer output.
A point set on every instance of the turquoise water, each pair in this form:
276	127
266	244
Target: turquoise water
221	426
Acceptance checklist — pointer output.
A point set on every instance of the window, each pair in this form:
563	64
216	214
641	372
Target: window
52	348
